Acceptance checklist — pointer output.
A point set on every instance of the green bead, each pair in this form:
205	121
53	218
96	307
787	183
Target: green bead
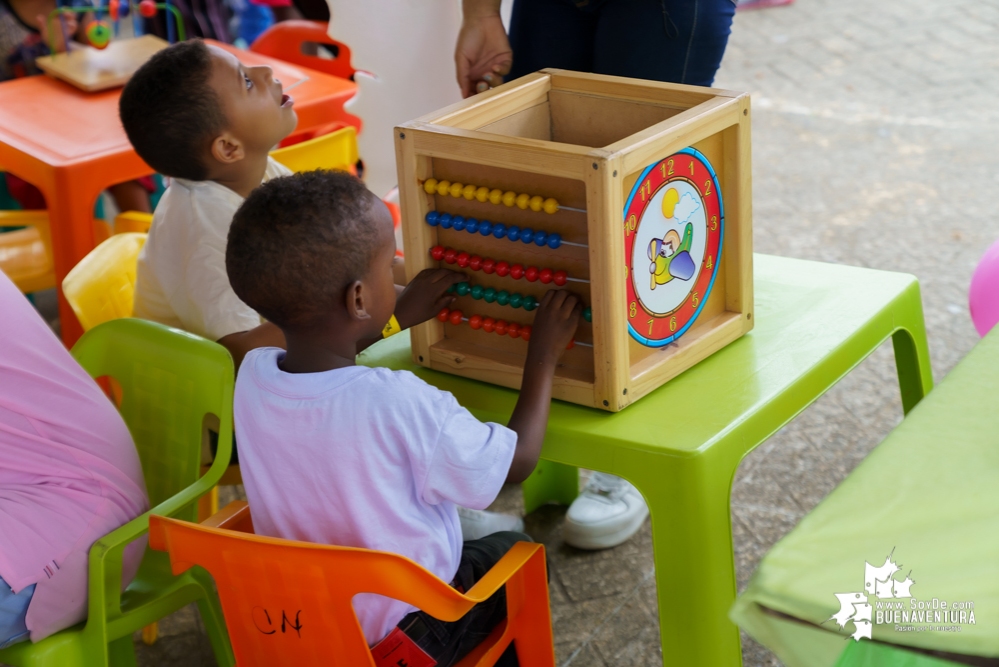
489	295
530	303
463	289
516	300
503	298
477	291
588	315
450	289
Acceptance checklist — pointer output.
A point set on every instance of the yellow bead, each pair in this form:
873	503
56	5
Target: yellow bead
509	198
495	196
456	189
523	199
537	202
442	187
469	192
482	194
551	205
430	186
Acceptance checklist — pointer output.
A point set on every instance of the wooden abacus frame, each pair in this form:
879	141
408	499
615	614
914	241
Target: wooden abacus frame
582	139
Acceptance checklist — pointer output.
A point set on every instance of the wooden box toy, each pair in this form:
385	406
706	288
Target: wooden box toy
635	195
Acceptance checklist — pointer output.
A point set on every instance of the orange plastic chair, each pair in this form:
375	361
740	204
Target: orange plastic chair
289	603
284	41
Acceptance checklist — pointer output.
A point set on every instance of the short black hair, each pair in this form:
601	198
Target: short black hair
297	242
170	112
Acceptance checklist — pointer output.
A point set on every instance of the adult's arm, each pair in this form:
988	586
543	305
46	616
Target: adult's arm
482	56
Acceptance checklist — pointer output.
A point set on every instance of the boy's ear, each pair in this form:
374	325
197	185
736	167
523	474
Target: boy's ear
227	149
356	307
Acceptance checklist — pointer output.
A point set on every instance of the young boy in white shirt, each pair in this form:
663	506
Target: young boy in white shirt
336	453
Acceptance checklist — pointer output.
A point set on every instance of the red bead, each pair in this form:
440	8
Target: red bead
475	321
572	344
147	8
455	317
561	277
463	259
437	252
546	276
525	332
517	271
450	255
488	265
475	263
531	273
502	269
488	325
501	327
513	330
443	315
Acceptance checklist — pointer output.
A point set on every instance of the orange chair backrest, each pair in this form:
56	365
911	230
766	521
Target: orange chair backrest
284	41
289	603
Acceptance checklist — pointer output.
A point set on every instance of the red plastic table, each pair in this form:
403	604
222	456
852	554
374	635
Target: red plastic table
71	145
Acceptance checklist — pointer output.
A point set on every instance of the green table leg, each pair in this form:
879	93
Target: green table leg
912	355
550	482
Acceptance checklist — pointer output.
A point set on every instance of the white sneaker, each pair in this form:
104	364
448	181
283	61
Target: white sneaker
608	512
476	524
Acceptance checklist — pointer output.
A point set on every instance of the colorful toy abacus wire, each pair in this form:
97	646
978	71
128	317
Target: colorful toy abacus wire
502	297
499	230
502	269
490	325
495	196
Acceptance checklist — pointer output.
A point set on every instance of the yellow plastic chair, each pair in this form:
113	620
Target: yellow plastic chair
336	150
102	286
132	221
26	254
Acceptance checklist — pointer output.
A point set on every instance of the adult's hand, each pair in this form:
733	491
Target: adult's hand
482	56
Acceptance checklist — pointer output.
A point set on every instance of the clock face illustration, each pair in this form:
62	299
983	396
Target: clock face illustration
674	223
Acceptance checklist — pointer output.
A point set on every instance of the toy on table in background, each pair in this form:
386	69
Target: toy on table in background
634	195
100	30
983	295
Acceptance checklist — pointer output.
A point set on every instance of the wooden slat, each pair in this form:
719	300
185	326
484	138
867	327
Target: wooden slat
493	105
738	251
640	90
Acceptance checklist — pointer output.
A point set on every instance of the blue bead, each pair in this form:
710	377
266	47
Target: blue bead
554	241
445	220
459	223
527	235
432	218
485	227
513	233
499	230
471	225
540	238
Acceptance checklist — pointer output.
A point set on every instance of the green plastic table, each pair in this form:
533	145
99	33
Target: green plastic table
928	495
680	445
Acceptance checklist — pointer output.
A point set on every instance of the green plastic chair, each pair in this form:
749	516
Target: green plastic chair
170	383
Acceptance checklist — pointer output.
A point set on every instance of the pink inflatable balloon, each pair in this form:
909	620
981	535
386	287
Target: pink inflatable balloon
983	295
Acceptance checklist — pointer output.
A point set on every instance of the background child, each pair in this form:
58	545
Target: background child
337	453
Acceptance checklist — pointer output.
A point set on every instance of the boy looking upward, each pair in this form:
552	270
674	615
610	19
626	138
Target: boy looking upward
336	453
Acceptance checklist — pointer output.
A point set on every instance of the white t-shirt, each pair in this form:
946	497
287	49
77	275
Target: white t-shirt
364	457
180	280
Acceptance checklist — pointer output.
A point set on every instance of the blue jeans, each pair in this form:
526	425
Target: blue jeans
13	609
679	41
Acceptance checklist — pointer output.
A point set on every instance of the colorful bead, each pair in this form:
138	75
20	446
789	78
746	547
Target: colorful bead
455	317
450	255
501	327
488	324
471	225
455	189
517	271
546	275
540	238
475	321
437	252
587	314
430	186
513	233
489	295
463	258
523	200
113	9
459	223
477	291
475	263
495	196
499	230
537	203
502	269
443	315
482	194
502	297
516	300
550	206
431	218
443	187
513	329
445	220
572	344
99	34
488	265
485	227
554	240
509	198
527	235
468	192
147	8
560	278
531	273
463	288
530	303
525	332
